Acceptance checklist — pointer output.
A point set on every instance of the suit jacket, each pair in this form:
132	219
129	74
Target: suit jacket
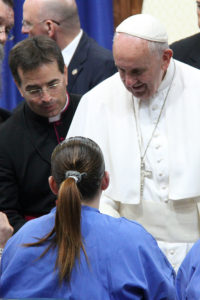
26	143
4	115
89	65
188	50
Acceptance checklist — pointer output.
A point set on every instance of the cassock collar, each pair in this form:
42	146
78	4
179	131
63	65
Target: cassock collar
43	120
58	117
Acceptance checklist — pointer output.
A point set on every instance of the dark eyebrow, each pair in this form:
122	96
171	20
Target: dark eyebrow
53	81
36	86
136	71
31	87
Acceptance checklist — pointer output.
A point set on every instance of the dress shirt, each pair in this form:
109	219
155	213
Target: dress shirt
124	263
187	279
70	49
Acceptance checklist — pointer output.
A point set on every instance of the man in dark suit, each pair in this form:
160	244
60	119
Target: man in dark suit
187	50
6	24
88	63
29	136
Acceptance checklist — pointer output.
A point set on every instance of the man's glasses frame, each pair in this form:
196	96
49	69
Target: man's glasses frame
39	92
28	25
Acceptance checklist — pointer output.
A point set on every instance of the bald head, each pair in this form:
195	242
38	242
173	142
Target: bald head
54	18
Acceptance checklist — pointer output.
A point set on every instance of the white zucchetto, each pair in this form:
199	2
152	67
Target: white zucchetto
145	27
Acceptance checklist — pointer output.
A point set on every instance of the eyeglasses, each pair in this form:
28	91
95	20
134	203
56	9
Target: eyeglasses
28	25
7	32
39	92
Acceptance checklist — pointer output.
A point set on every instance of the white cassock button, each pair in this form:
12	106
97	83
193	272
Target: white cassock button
172	252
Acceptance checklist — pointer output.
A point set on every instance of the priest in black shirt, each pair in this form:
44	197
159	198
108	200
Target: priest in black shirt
29	136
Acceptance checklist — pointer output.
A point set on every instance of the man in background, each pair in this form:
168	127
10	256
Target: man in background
187	50
29	136
6	24
6	19
88	63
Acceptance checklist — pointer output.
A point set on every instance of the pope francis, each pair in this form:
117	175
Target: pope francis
146	119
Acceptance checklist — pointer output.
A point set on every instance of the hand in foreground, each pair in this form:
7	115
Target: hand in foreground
6	230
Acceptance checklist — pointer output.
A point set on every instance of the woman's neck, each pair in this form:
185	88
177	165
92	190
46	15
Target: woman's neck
94	202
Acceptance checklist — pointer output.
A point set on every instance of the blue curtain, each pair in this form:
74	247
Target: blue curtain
96	18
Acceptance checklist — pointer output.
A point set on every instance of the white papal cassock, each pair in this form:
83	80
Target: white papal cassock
170	206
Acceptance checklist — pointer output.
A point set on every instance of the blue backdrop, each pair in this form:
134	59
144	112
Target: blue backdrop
96	18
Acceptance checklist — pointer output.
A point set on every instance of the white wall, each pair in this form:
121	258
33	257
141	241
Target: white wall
178	16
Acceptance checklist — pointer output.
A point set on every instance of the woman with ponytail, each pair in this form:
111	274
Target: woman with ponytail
75	252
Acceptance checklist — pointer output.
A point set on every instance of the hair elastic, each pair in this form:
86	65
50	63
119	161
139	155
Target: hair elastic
77	176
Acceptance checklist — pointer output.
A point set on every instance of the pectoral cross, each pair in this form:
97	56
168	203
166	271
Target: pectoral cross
143	173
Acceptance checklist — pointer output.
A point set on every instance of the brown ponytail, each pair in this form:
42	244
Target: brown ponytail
81	156
68	227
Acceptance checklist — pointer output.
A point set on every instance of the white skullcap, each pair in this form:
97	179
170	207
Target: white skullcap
145	27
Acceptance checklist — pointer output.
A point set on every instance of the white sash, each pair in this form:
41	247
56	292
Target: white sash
174	221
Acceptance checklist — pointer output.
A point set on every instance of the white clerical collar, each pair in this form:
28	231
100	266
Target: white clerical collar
69	50
57	117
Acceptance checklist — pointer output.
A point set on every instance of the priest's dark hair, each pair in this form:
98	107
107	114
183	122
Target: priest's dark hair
33	52
84	156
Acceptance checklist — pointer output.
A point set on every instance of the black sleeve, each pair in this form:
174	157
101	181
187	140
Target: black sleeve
9	194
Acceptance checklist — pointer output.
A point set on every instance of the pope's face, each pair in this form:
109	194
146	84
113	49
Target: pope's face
44	89
140	69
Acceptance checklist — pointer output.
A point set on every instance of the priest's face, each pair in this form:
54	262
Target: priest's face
44	89
140	68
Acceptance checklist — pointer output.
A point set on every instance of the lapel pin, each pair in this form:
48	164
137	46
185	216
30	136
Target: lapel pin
74	72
